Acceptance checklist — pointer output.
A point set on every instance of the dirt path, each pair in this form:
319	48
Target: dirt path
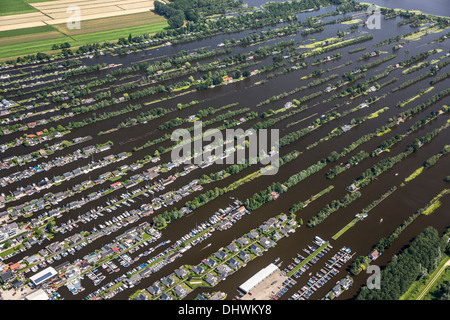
427	288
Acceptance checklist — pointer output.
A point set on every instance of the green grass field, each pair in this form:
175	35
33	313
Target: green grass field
24	41
20	42
344	229
35	1
25	31
8	7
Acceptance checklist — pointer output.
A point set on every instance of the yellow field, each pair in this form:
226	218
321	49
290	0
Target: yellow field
57	12
29	38
352	21
110	23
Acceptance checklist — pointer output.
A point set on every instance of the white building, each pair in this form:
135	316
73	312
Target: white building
258	278
8	231
43	276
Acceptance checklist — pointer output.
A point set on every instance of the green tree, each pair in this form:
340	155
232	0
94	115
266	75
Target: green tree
246	74
176	21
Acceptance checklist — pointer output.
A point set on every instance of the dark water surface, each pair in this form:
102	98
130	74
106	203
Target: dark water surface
394	210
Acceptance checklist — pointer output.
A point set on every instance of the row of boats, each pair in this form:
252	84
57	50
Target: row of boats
95	276
325	274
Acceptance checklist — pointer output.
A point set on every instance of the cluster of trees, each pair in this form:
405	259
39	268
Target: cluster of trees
417	57
426	104
412	81
442	291
264	196
356	89
388	82
222	117
305	32
175	122
431	161
325	59
181	106
31	57
352	162
293	136
205	197
102	95
272	121
313	23
184	58
416	67
281	96
95	82
273	66
388	41
329	116
357	50
133	68
301	204
303	174
145	92
209	111
436	67
277	8
236	168
150	143
349	77
65	63
339	45
368	55
349	6
377	62
94	106
126	86
67	85
265	51
175	16
420	123
178	11
415	262
385	164
440	78
215	79
265	35
106	115
332	207
61	46
143	117
382	75
361	263
87	69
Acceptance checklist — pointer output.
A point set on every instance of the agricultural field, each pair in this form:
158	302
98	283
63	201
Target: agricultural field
11	7
46	25
41	39
100	195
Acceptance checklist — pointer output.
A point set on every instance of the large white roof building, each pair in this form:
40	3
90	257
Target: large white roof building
43	276
257	278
